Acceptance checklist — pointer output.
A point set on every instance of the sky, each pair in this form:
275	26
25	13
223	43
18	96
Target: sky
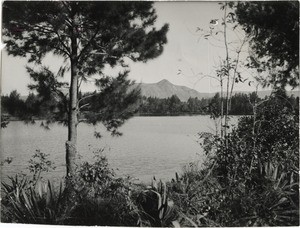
186	57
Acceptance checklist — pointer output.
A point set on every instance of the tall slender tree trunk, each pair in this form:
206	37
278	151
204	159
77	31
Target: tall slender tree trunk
222	107
228	75
71	144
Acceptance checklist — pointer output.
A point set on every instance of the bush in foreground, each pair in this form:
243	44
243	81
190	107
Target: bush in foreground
251	175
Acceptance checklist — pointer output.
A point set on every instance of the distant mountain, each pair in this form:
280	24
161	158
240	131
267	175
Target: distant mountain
165	89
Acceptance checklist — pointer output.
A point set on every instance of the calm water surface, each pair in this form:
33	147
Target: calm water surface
150	146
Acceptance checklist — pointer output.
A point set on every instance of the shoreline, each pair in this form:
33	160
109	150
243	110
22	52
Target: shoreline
13	119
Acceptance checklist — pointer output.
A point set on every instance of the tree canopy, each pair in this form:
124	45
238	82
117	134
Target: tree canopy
105	31
274	31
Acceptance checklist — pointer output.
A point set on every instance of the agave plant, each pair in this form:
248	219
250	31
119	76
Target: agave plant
157	209
18	182
278	203
24	203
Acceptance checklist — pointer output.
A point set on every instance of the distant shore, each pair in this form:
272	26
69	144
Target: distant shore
12	118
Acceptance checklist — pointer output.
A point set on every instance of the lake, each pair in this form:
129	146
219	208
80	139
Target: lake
150	146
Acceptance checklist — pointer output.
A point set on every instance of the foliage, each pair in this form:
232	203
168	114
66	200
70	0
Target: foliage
104	199
7	160
195	196
4	121
40	163
256	170
18	182
240	105
170	106
106	31
94	178
116	102
228	72
274	38
50	103
100	197
107	106
255	166
28	198
158	210
14	106
113	207
277	202
37	204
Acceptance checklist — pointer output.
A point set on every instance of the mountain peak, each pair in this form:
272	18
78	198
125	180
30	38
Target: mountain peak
164	81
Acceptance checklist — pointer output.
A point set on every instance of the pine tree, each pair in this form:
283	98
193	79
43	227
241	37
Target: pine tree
89	36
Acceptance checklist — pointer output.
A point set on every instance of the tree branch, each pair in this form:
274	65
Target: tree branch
84	105
235	70
88	44
63	44
87	96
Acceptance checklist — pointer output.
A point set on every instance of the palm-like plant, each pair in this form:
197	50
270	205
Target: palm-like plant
17	183
157	209
277	203
39	204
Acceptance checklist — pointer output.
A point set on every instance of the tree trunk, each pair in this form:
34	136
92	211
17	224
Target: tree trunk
228	75
71	144
222	107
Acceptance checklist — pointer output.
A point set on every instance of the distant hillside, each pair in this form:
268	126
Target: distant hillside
165	89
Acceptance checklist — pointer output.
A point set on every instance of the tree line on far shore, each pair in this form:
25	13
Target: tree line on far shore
32	107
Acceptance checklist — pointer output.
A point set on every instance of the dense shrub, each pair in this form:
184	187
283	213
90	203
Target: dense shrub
101	197
195	196
251	176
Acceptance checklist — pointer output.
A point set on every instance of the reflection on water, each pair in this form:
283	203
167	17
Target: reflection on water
150	146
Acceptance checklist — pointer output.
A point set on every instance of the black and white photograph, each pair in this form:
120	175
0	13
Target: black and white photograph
150	113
